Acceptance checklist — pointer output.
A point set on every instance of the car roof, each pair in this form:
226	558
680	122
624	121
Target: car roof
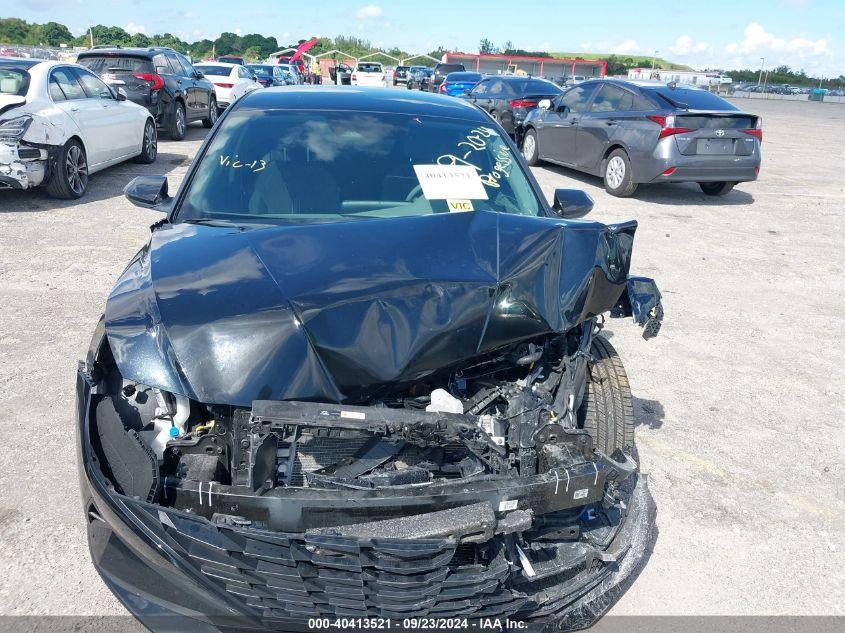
20	62
359	99
131	52
224	64
519	78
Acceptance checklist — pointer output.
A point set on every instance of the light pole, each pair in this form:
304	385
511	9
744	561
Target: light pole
654	59
762	62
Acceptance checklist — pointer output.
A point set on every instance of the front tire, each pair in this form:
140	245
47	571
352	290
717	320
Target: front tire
716	188
530	149
607	411
149	146
618	179
178	123
213	112
69	179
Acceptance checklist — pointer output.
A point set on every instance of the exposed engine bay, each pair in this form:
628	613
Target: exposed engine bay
517	413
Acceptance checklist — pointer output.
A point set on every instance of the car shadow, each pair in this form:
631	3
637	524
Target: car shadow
103	185
648	413
684	193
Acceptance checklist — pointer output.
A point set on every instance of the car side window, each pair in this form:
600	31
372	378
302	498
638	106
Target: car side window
66	78
576	99
93	86
496	89
56	90
173	62
161	65
481	89
187	66
612	99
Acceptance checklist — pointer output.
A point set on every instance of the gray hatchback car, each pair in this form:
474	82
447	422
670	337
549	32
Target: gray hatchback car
636	132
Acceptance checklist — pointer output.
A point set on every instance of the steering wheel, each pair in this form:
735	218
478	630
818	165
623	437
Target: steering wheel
414	194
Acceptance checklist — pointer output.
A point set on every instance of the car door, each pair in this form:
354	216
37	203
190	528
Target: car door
244	81
118	121
69	97
599	124
558	140
185	85
199	95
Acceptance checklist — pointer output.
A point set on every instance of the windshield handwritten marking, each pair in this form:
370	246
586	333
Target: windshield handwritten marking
255	166
476	141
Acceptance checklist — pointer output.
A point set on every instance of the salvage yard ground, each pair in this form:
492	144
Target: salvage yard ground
738	402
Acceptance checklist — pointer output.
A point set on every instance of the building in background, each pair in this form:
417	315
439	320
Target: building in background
553	68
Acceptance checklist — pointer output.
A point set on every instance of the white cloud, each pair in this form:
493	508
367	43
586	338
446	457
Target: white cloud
626	47
133	28
369	11
239	32
795	52
685	45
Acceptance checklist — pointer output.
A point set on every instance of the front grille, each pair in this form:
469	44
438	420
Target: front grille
286	577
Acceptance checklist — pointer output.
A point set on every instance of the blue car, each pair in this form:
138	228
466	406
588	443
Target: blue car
456	84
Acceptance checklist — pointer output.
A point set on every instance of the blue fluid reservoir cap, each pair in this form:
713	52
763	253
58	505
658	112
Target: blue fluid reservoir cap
174	432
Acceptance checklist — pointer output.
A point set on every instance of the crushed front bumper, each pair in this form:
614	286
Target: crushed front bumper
175	570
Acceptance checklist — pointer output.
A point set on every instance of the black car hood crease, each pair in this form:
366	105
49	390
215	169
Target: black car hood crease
331	312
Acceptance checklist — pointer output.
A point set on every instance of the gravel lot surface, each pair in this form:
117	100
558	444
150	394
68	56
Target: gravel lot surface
739	401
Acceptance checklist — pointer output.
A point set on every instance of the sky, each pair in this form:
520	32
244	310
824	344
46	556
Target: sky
714	33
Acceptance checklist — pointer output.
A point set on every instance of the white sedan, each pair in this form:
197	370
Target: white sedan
59	123
231	81
368	74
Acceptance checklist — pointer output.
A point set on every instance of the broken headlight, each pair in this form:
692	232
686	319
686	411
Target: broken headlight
13	130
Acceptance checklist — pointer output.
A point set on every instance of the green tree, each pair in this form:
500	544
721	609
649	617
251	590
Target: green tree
486	47
228	44
13	31
55	34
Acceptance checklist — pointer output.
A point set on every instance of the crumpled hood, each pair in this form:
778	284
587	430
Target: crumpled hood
333	312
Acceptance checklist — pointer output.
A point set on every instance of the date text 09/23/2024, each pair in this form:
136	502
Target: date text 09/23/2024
416	624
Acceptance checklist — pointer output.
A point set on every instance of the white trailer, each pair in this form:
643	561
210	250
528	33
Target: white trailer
711	80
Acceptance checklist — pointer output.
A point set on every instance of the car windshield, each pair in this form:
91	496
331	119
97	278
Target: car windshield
289	166
13	81
261	70
213	69
692	98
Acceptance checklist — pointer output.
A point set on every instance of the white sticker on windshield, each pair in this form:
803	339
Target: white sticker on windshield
442	182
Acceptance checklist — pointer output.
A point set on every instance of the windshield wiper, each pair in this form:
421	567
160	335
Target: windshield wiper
211	222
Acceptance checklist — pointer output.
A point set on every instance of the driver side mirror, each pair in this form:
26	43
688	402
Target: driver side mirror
149	192
544	104
198	75
121	95
571	203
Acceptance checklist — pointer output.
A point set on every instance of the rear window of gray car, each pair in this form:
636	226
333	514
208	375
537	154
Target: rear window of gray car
692	98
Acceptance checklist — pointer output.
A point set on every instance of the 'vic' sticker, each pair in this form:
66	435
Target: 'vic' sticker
581	494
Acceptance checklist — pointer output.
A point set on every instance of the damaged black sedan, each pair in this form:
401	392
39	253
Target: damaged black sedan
357	372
